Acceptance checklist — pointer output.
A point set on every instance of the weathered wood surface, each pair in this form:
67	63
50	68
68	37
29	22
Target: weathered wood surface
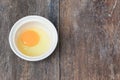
12	67
89	40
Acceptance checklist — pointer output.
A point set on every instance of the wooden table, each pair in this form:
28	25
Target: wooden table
89	40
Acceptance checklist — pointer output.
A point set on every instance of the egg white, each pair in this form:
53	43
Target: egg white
43	44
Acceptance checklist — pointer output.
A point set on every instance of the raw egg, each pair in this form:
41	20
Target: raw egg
32	39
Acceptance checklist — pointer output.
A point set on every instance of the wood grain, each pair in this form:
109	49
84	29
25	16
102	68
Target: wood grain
89	40
12	67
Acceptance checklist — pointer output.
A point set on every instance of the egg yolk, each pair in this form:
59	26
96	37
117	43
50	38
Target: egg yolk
29	38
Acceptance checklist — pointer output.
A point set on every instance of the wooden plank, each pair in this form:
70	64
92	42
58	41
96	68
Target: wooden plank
89	40
12	67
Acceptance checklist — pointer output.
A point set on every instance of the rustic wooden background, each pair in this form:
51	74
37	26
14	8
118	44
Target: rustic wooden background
89	40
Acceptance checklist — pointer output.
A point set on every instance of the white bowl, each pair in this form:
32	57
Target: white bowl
48	25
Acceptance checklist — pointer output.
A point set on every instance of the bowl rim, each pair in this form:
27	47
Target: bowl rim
24	20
